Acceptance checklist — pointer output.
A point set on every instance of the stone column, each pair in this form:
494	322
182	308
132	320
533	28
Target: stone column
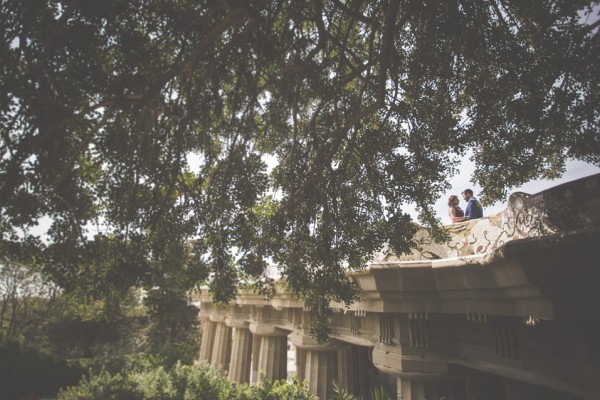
272	357
408	389
357	369
320	371
255	353
272	352
300	363
241	351
344	366
208	338
222	347
317	364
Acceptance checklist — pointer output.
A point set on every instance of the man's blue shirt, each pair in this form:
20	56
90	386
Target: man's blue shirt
474	209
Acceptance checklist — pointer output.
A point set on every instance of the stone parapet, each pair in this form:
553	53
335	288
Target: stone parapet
573	206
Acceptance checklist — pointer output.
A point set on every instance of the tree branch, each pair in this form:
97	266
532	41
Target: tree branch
356	15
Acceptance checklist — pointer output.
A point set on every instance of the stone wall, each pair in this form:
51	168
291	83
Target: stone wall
573	206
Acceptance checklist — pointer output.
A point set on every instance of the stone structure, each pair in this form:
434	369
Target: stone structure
509	308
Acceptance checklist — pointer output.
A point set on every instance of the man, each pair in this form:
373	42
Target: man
474	209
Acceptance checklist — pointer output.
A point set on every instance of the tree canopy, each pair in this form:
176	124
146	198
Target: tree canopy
143	129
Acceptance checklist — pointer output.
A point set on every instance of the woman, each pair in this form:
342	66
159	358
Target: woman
456	214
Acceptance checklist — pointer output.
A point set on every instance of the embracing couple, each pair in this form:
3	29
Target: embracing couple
473	210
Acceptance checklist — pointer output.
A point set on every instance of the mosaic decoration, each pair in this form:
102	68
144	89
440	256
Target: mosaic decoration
572	206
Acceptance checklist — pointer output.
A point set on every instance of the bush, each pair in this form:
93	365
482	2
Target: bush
102	386
279	390
200	382
182	382
377	393
155	384
24	370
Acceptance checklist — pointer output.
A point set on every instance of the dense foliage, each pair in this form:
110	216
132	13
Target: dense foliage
26	372
173	141
180	383
49	339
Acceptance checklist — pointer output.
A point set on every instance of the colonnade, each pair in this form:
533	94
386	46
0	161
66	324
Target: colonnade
249	352
464	332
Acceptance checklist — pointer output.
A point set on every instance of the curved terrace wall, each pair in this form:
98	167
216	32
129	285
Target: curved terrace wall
568	207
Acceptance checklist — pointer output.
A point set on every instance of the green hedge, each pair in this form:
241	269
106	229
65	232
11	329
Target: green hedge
24	370
182	382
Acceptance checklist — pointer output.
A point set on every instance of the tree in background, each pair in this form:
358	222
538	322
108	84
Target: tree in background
23	288
71	327
20	288
142	129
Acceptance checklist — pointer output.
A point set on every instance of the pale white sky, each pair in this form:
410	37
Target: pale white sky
461	181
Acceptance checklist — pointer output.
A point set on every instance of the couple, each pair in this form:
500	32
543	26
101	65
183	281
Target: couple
473	210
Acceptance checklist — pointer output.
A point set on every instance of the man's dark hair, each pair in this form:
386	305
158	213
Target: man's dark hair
469	191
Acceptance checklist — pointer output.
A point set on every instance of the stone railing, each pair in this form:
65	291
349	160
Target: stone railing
564	208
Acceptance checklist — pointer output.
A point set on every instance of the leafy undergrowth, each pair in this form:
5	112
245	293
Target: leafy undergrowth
182	382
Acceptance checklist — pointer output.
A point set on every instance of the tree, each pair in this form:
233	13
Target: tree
21	287
153	121
17	286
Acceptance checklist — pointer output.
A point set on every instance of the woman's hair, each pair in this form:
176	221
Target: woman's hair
451	200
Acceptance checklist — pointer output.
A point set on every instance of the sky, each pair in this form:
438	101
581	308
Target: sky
574	170
461	181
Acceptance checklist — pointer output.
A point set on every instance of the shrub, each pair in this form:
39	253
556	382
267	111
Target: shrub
340	393
154	384
279	390
202	382
102	386
182	382
24	370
